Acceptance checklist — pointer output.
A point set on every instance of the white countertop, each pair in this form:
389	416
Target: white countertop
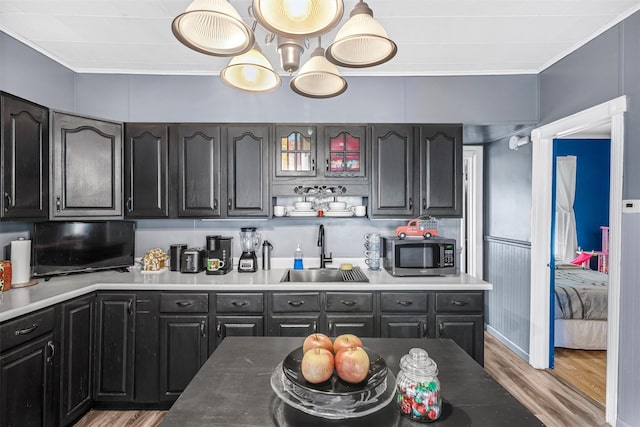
19	301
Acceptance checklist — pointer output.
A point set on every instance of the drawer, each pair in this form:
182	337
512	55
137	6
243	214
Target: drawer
240	303
184	303
295	302
404	302
350	301
20	330
459	302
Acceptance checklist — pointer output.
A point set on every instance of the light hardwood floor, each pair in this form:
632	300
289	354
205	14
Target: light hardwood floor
584	369
553	401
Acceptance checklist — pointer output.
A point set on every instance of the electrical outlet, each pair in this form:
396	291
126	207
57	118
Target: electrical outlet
631	206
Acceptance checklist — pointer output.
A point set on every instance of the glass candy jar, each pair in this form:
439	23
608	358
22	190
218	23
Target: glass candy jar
418	387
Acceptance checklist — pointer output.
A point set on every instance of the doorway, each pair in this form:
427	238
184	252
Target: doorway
612	113
471	256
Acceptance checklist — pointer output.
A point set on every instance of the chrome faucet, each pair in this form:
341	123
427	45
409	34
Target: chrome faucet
323	259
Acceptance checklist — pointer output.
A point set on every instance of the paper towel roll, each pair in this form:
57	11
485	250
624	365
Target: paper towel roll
21	261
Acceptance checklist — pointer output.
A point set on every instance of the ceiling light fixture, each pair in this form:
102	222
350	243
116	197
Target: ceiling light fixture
214	27
362	41
318	78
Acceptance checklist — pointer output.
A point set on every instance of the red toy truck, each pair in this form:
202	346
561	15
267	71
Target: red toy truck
425	227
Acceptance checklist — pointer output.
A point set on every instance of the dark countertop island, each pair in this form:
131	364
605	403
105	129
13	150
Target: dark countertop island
233	389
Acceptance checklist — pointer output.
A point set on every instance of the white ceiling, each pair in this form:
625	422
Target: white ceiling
434	37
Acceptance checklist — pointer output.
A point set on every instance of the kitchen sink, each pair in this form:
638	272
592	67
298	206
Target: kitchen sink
316	275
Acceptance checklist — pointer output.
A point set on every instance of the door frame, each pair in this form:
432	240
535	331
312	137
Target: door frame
474	155
541	212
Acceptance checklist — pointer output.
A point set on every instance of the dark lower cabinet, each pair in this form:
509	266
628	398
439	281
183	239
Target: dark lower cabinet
76	354
27	384
115	347
183	350
360	325
294	326
238	326
466	330
409	326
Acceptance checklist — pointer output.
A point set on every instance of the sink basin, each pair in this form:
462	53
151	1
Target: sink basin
316	275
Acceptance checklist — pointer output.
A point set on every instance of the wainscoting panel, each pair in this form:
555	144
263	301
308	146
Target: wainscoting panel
507	264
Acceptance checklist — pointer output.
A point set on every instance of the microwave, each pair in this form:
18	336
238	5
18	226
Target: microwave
419	257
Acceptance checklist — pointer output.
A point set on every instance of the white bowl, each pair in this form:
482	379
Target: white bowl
337	206
303	206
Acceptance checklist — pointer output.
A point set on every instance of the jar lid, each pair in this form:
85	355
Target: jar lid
418	363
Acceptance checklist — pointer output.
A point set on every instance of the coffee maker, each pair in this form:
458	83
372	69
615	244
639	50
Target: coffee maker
219	256
249	242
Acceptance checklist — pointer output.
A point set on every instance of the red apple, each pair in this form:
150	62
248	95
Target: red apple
345	341
317	341
352	364
317	365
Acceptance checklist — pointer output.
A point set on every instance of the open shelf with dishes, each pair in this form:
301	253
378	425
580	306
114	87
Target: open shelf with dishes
320	204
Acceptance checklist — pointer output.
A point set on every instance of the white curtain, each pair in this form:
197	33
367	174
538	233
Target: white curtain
566	243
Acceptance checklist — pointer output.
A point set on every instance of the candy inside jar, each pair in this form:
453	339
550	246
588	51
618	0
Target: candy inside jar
418	387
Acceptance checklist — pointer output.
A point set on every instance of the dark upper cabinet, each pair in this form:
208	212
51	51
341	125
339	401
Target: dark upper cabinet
24	159
295	151
199	170
115	347
392	171
345	151
146	179
248	170
441	170
86	168
76	372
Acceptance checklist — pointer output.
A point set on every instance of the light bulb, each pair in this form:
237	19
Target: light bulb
297	10
250	74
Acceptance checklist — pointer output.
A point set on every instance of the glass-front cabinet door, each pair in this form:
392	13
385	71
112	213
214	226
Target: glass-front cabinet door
295	151
344	151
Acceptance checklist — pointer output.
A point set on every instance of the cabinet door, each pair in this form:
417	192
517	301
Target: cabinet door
466	330
24	159
441	170
344	151
199	170
392	171
294	326
146	180
238	326
248	171
362	326
87	168
405	326
115	347
183	350
26	384
76	376
295	151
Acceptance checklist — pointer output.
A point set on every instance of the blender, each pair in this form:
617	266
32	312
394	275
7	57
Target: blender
249	242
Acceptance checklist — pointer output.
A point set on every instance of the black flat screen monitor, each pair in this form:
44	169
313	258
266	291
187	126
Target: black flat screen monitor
74	247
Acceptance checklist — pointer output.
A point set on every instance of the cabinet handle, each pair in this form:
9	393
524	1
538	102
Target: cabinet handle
295	303
314	325
424	329
313	165
219	329
130	307
58	204
348	303
230	203
440	329
424	203
129	204
52	353
239	303
202	329
327	165
184	303
410	203
26	331
404	303
8	197
215	204
459	303
332	328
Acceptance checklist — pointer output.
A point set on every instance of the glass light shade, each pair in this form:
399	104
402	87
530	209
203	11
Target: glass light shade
213	27
298	18
362	41
318	78
252	72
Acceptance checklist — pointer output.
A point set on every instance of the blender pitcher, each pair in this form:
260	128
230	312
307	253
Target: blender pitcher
249	242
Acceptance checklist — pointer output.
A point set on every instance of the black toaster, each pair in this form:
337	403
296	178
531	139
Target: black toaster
193	260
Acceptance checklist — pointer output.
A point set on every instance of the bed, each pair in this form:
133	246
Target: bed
580	308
